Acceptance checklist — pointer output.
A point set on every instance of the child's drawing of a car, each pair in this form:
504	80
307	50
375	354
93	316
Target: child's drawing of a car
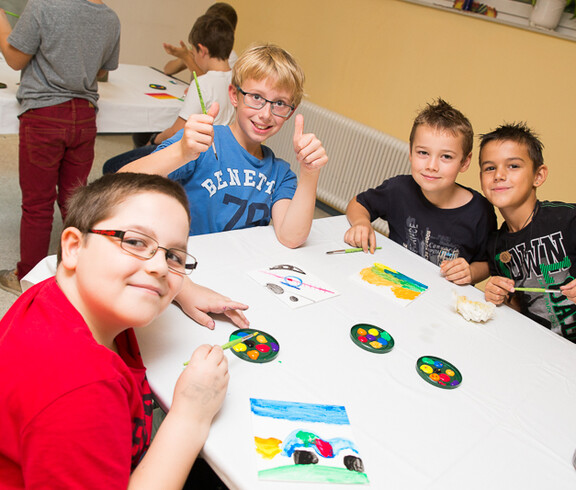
305	448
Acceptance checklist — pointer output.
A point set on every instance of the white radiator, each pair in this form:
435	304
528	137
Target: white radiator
359	157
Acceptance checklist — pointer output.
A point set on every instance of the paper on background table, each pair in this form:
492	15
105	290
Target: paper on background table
292	285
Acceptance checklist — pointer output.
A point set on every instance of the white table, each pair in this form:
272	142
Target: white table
123	105
511	424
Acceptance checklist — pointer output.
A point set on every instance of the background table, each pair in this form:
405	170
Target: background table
511	423
123	105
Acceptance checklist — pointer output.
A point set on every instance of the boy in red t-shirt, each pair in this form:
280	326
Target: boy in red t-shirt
75	404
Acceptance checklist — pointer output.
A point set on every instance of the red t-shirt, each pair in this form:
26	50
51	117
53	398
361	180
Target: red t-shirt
73	414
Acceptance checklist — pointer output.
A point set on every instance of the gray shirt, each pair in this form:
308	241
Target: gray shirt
70	40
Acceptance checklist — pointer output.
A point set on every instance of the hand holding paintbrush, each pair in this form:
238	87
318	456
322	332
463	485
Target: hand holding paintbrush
203	107
198	134
234	342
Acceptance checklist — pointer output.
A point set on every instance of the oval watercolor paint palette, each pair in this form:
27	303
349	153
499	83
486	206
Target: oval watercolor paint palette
260	349
438	372
371	338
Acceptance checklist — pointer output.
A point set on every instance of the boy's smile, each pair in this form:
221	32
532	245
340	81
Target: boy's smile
508	178
436	159
253	126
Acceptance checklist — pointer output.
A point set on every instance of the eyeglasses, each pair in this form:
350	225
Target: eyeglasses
256	101
145	247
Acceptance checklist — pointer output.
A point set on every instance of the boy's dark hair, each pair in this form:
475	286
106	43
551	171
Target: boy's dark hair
98	200
520	133
224	10
215	33
442	116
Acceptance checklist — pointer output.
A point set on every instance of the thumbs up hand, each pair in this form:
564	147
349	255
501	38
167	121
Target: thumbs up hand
309	150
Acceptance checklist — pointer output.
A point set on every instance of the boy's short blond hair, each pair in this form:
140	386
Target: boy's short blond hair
270	61
440	115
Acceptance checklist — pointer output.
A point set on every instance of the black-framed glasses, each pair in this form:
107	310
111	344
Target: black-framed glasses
145	247
256	101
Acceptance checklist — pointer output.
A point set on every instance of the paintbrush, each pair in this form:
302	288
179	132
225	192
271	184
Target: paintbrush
203	107
234	342
539	290
12	14
348	250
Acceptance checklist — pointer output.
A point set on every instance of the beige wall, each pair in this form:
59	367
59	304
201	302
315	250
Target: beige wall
379	61
146	24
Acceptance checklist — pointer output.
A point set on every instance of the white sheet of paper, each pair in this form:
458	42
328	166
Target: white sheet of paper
305	442
292	285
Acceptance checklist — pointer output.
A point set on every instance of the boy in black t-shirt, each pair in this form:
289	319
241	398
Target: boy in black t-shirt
428	212
536	245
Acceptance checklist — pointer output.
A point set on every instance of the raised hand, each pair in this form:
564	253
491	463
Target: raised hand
178	52
309	150
198	133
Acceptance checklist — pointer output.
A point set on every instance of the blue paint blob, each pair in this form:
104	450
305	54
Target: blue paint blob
384	342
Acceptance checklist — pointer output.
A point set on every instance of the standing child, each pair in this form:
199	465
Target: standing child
75	405
246	185
428	212
61	46
536	245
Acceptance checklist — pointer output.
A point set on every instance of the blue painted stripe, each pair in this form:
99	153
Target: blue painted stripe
301	412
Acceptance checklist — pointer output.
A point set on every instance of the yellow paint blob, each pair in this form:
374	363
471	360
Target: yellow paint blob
449	372
240	347
427	369
375	344
374	332
263	340
267	448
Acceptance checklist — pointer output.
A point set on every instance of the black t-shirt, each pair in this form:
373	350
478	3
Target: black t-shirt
433	233
541	255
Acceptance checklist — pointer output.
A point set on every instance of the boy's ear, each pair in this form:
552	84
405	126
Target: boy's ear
71	242
233	93
202	50
465	164
541	175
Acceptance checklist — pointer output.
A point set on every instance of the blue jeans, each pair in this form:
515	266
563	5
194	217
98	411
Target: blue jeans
114	164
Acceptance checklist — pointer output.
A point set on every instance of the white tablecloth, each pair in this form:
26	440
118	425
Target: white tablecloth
509	425
124	106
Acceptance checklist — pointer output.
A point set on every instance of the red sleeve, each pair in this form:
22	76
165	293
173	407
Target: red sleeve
82	440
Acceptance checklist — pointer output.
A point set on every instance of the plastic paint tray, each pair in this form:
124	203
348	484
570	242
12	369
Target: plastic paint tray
438	372
260	349
371	338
